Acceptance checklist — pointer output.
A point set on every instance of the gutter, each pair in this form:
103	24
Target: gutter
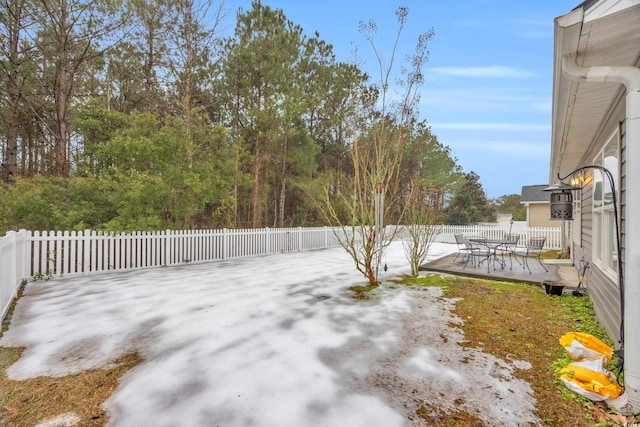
567	30
629	402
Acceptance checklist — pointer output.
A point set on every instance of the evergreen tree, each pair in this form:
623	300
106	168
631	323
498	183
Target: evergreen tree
163	125
68	36
469	204
511	204
13	61
264	94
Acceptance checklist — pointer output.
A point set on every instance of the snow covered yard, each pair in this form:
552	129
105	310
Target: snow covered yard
267	341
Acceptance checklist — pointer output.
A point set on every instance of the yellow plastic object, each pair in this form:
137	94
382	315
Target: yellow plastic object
593	384
583	346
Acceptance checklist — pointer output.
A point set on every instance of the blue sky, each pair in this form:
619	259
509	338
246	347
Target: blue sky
487	93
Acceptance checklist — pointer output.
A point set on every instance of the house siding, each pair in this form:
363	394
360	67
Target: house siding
603	291
539	214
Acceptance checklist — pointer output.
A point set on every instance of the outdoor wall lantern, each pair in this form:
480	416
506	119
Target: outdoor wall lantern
562	198
561	201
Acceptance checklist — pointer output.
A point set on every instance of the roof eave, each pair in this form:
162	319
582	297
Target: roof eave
567	30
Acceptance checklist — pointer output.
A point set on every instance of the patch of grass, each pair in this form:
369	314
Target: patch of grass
360	292
551	254
435	417
428	280
580	310
7	319
517	321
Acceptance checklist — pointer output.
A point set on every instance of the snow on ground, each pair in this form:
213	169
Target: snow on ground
265	341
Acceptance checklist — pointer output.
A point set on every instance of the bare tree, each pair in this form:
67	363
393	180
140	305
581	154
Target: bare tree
378	131
423	211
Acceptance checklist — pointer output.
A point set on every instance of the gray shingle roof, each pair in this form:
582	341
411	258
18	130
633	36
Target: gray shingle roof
534	193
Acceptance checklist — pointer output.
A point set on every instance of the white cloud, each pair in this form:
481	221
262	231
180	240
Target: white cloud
544	23
493	71
484	99
494	94
534	28
511	148
542	106
471	126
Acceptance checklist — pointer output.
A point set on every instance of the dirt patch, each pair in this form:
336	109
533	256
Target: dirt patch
361	292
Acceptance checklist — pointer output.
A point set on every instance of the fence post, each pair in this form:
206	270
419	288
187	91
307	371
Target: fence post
164	248
225	244
267	235
8	281
326	236
171	245
22	256
85	251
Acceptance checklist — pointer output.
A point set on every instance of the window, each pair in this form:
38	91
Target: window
604	233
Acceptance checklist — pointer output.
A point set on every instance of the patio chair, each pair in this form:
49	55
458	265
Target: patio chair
533	249
479	254
509	248
464	246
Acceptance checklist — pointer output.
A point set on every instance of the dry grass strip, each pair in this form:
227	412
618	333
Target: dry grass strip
26	403
29	402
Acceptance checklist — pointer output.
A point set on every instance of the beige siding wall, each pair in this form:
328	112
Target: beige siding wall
539	214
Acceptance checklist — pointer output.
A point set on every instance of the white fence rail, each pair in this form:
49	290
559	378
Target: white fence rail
26	254
552	234
64	253
13	256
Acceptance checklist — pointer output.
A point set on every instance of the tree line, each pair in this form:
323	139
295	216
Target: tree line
143	115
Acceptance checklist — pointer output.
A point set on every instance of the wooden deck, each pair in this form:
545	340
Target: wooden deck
561	272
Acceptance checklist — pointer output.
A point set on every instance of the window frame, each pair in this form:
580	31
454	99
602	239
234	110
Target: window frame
576	226
604	249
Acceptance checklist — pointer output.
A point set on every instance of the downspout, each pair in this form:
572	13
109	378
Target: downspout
629	403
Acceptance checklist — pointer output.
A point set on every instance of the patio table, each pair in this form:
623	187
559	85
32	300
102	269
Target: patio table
493	245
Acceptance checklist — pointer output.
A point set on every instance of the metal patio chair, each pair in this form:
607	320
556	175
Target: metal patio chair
464	247
508	248
533	249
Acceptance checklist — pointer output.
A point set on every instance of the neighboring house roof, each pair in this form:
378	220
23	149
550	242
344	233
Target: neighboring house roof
534	194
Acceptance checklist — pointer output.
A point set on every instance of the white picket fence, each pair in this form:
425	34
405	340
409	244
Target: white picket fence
38	255
13	253
496	231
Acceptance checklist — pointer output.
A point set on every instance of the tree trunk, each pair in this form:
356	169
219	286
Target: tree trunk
256	196
10	160
283	185
281	202
62	106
